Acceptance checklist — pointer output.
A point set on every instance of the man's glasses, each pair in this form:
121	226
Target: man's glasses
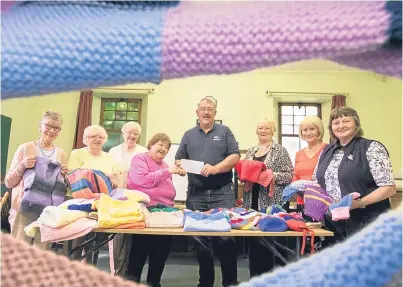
204	109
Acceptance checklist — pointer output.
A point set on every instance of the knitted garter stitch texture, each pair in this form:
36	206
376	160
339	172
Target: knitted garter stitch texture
28	266
350	263
51	47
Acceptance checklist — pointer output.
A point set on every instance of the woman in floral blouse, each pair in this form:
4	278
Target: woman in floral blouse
354	164
278	160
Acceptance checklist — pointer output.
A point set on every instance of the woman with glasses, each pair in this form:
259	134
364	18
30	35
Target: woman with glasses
25	158
92	156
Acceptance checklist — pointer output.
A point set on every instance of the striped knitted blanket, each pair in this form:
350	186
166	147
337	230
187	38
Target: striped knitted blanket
56	46
89	183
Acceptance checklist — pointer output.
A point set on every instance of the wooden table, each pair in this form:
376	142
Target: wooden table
97	241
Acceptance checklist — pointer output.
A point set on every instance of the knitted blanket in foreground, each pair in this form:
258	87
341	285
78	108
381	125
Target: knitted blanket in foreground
56	46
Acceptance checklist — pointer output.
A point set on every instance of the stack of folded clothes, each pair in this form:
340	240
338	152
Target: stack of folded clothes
208	222
163	216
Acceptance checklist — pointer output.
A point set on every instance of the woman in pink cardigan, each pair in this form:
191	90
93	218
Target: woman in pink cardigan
150	174
25	158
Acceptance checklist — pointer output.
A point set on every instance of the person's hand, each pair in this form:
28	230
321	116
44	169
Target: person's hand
208	170
28	161
355	204
177	170
64	170
181	172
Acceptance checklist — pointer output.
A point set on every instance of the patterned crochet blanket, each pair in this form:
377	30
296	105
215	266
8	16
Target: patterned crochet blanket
61	46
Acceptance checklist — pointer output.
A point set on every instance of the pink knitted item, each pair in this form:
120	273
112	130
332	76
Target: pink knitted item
26	266
70	231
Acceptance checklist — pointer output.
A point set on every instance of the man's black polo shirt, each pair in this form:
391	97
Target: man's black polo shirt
210	148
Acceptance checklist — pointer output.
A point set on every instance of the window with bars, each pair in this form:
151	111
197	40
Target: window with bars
114	114
290	116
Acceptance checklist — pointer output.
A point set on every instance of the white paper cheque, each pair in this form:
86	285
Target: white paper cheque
192	166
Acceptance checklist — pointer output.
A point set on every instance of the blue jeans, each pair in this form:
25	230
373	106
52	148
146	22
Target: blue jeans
204	200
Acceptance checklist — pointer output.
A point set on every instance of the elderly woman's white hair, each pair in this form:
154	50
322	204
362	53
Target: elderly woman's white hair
93	130
131	127
272	123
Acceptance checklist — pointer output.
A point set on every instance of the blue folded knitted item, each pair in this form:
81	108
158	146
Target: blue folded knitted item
341	210
295	187
271	223
274	209
83	207
197	221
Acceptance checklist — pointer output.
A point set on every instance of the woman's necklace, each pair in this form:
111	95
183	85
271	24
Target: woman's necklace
43	152
265	147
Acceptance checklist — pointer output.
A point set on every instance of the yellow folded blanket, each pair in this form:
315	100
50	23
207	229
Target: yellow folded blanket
112	213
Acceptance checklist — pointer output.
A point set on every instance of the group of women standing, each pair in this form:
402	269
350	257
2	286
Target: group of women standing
350	163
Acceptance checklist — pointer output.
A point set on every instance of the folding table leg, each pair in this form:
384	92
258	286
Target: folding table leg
297	247
273	249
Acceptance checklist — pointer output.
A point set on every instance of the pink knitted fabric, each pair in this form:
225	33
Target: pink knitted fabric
227	37
26	266
74	230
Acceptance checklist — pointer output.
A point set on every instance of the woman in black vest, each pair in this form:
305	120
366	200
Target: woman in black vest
354	164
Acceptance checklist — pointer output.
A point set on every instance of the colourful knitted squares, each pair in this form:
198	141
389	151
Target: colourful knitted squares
316	201
341	210
245	220
88	183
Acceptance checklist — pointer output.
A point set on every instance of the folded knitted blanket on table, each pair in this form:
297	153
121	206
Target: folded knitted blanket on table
124	194
164	219
198	221
113	213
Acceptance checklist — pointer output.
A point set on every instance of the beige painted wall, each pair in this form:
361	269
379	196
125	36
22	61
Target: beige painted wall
242	102
26	114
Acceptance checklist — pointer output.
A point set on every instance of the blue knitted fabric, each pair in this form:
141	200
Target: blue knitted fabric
87	207
371	257
53	47
50	47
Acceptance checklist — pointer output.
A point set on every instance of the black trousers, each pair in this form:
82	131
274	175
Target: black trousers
261	259
154	247
204	200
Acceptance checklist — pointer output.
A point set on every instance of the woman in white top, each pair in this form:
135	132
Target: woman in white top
123	154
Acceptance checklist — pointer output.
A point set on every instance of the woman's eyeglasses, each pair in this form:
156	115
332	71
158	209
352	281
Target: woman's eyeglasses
49	127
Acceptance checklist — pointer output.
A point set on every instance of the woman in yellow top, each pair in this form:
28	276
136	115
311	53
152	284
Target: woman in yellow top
92	156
